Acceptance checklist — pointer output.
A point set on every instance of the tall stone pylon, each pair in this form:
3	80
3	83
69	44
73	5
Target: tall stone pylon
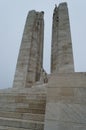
30	57
61	53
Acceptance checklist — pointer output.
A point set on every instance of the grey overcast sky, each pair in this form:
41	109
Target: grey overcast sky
13	15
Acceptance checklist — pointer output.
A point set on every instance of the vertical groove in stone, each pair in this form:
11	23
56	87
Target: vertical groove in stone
30	57
61	55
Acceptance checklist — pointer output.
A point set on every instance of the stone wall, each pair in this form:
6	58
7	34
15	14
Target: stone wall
23	109
66	102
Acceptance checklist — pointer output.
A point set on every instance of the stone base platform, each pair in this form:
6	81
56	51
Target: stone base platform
58	105
23	109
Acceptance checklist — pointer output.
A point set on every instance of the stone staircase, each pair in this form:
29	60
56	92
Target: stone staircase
23	109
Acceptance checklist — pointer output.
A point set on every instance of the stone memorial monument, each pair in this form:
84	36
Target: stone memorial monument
41	101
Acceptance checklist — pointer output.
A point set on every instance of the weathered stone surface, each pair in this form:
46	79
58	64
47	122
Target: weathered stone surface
66	102
30	59
23	109
61	54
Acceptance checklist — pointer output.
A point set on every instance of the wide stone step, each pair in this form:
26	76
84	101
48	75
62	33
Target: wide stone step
7	100
11	128
22	98
24	116
15	97
23	110
24	91
31	105
18	123
35	89
23	104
